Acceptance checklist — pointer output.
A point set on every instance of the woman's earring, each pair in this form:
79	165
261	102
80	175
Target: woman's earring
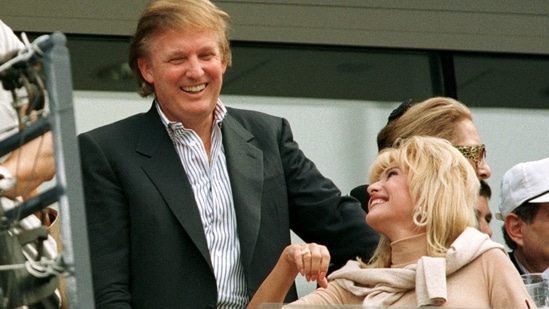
420	218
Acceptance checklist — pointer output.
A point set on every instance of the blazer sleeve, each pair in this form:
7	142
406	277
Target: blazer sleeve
318	211
107	216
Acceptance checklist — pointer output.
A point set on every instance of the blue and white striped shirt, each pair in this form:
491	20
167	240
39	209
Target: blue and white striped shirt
213	194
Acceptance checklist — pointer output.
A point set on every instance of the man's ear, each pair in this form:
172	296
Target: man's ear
513	226
224	67
144	67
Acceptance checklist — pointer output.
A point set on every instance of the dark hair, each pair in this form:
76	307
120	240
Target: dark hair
526	212
485	189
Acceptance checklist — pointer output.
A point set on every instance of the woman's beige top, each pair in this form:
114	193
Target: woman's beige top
477	273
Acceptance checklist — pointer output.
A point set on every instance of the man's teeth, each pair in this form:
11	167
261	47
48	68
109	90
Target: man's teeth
196	88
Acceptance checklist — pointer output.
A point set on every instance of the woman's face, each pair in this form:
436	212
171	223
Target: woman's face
390	208
467	135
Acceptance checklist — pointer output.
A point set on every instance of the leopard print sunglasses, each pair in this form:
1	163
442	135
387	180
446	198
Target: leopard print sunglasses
475	153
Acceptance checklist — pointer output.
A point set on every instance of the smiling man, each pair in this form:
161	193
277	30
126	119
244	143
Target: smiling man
190	204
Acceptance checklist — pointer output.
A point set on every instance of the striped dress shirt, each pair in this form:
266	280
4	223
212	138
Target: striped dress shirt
213	194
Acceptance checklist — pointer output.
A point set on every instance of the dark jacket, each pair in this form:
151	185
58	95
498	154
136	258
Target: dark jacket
515	262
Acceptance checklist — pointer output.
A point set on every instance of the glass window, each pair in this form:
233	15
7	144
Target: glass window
519	81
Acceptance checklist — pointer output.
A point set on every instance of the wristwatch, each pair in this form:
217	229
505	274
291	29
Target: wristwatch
7	181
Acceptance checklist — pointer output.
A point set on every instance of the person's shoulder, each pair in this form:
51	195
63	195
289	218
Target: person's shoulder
496	253
114	130
254	120
496	258
9	42
250	114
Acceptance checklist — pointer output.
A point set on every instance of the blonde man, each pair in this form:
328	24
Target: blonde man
190	204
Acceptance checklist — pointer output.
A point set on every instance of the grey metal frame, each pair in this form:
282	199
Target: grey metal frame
68	174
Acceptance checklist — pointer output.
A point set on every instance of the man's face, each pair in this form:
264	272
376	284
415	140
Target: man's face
534	241
484	215
186	68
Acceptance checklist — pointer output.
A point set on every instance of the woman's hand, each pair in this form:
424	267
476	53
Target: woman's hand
310	260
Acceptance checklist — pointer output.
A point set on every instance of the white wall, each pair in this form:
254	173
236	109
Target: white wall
339	136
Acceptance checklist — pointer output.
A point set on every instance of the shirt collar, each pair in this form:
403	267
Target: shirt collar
219	114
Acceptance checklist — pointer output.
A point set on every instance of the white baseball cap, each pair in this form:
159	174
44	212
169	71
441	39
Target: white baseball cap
524	182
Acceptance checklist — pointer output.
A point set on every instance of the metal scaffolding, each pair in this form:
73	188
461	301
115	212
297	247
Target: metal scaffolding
52	56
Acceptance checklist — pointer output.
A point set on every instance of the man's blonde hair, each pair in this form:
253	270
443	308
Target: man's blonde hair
162	15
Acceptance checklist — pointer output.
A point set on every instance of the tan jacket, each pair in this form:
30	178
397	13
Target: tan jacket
487	281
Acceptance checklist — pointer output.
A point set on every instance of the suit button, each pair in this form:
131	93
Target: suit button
210	307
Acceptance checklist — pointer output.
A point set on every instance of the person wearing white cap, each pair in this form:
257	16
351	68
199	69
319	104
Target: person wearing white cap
524	208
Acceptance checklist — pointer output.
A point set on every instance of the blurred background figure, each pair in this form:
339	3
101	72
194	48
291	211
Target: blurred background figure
484	214
22	171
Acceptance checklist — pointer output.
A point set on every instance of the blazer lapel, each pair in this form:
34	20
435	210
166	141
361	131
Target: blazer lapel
245	167
166	172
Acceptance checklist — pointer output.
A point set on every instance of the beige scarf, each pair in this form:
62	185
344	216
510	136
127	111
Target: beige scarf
385	286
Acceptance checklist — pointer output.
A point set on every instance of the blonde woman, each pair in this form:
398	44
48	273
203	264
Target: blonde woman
445	118
423	193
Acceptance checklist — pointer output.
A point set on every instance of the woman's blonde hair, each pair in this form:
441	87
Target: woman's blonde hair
162	15
438	116
443	187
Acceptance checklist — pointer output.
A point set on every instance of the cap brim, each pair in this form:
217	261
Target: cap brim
541	199
544	198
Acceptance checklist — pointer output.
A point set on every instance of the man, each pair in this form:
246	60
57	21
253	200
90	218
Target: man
524	208
190	204
482	208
